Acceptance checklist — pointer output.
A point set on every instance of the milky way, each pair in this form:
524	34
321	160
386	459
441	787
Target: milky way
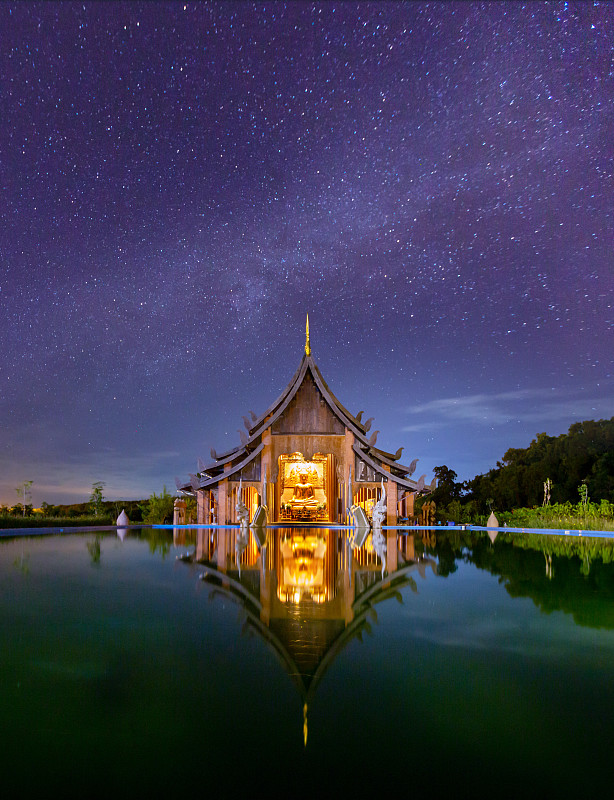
182	183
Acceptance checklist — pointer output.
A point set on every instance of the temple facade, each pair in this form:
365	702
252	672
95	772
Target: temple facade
307	459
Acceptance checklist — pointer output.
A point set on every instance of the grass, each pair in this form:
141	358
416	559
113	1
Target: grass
566	516
37	521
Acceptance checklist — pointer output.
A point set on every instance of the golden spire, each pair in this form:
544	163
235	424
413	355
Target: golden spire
305	724
307	343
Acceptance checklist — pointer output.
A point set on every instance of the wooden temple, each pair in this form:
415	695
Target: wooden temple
307	459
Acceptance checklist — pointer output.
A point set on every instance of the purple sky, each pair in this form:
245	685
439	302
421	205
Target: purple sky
181	183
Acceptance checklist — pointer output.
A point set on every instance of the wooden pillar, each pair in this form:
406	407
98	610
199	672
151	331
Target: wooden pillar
201	517
347	594
266	470
348	461
410	552
409	505
202	544
392	503
392	559
391	498
223	549
222	502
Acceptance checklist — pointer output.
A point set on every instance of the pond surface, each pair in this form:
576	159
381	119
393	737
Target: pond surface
473	667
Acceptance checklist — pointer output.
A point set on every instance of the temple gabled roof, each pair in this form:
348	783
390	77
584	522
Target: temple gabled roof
232	461
307	666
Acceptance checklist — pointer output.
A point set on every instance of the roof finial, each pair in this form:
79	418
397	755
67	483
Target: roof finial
307	343
305	724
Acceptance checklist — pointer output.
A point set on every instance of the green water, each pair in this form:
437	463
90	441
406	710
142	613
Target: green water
122	672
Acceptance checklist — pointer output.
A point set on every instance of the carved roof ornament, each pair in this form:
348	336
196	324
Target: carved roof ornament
372	439
307	342
241	508
366	425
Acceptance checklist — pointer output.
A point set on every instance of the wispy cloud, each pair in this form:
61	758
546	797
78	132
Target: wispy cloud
420	427
525	405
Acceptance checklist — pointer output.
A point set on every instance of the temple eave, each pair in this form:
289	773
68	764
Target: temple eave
405	482
233	470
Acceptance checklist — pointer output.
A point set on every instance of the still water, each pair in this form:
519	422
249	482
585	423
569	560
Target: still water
153	665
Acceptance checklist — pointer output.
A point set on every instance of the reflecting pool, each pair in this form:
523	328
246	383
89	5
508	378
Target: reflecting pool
195	660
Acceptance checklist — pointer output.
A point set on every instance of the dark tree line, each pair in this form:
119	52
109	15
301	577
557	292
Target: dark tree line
109	509
585	454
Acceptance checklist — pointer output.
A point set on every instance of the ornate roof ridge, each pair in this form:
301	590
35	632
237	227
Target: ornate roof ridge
275	410
338	403
259	420
237	468
223	456
368	459
389	458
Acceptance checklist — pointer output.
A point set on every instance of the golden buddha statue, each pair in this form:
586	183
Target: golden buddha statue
303	496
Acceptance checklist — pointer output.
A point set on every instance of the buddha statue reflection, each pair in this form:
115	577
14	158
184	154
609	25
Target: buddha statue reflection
303	493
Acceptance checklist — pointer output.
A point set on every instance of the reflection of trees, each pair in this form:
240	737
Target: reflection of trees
448	546
559	573
158	539
22	563
564	546
446	555
93	548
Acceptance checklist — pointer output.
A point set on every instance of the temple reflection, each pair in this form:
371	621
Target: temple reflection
301	568
307	592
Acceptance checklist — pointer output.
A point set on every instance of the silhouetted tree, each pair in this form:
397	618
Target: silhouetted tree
584	454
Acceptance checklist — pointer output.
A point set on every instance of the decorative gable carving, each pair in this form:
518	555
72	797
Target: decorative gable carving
308	412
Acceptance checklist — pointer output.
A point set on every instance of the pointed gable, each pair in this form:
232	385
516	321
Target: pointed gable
308	412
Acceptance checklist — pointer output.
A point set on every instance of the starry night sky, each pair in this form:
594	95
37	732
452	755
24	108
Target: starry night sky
182	183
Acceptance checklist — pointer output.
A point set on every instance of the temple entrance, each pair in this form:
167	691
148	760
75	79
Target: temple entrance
366	497
306	488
